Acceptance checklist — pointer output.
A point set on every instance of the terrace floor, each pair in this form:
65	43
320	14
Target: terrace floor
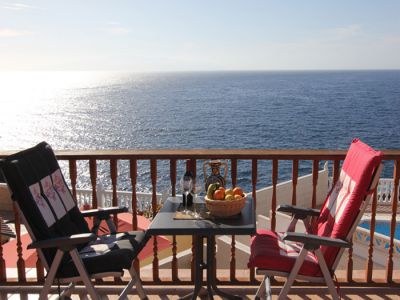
308	293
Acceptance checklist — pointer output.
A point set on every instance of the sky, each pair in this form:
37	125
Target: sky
188	35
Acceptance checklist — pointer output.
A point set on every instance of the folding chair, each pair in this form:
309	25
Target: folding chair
314	255
69	251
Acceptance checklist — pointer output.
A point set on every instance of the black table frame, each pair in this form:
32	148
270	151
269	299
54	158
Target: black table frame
165	224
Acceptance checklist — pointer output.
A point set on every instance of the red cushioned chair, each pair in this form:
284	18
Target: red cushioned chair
314	255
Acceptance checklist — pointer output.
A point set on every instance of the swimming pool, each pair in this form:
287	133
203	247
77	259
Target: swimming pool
382	227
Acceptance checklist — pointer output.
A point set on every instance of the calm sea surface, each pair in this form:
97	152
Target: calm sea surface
93	110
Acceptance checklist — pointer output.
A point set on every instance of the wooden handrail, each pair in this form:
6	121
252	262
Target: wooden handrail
191	157
282	154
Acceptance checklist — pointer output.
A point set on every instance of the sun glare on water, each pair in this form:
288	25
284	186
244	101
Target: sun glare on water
26	87
27	98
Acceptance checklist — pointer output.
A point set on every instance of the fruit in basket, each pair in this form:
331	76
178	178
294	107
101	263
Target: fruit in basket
211	189
229	197
238	191
228	192
219	194
224	204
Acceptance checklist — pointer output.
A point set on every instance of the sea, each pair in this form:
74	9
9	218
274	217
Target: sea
192	110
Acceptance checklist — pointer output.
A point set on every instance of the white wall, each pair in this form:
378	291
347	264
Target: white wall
284	193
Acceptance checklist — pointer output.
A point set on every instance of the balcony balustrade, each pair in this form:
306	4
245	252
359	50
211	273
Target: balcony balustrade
258	162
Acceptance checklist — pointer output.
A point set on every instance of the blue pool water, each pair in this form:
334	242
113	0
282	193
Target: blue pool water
382	227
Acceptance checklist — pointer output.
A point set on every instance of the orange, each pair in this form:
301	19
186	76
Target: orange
237	197
237	191
219	194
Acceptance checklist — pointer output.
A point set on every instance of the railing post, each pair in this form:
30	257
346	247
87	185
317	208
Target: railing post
3	276
133	177
232	264
93	181
114	176
295	175
336	171
233	171
396	176
194	173
172	175
20	261
314	183
254	172
153	174
73	176
369	266
273	200
174	263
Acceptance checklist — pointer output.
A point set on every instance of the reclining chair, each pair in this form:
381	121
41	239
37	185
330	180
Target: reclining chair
69	251
314	255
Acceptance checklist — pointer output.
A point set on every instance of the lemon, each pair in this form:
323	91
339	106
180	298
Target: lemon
229	197
228	192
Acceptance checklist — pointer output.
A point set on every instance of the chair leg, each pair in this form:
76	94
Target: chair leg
261	289
268	288
134	281
327	274
50	275
139	286
264	290
83	273
293	274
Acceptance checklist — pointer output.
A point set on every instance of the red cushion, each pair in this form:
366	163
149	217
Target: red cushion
269	251
342	204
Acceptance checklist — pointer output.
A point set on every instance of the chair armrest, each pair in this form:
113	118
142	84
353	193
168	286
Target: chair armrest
65	243
103	213
312	241
299	212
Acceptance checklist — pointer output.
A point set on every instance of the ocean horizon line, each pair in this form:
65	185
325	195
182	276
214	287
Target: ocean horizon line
207	71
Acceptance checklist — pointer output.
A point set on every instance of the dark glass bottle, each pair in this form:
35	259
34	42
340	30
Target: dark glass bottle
189	199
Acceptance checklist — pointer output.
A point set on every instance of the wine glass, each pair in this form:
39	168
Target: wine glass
196	200
186	186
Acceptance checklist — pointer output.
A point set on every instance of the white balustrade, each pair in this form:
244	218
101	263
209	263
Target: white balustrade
384	189
104	198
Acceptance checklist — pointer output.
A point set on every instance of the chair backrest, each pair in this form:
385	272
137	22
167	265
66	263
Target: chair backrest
343	205
39	188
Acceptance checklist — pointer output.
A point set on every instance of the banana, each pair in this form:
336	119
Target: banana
211	189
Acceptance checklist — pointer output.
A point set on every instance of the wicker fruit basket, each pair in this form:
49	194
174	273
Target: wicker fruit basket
225	208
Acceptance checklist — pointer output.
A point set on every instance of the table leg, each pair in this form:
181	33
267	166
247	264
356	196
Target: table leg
211	280
198	275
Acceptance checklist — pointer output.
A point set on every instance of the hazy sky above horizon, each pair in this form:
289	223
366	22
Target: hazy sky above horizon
171	35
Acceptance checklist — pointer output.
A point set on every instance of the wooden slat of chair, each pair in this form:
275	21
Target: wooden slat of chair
5	229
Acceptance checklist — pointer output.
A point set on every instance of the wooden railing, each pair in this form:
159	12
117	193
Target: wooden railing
192	159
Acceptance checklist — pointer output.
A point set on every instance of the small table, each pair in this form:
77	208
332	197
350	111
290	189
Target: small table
165	224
